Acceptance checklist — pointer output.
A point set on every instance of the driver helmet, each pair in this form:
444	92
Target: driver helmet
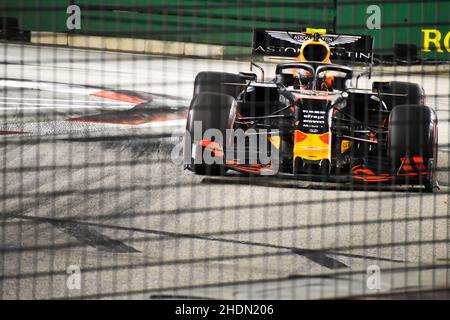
314	50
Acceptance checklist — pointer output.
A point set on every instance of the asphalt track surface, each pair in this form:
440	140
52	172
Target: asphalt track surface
90	180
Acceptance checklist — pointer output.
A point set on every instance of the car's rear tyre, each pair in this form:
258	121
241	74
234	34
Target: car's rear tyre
211	81
413	133
409	93
211	111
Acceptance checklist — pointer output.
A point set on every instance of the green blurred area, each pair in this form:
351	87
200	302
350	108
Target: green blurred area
401	22
227	22
231	22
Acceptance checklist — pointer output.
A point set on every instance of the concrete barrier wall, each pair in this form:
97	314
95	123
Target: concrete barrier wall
129	44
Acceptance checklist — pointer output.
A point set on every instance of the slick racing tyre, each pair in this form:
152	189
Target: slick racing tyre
413	133
209	111
408	93
208	81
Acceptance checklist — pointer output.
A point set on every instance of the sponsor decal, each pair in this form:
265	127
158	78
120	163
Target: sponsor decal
434	40
355	48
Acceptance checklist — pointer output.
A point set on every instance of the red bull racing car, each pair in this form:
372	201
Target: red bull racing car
310	122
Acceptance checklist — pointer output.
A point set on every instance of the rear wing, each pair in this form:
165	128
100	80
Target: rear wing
353	49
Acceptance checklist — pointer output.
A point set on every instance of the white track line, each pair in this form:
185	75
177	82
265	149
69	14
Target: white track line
69	127
46	106
66	88
60	108
68	100
158	124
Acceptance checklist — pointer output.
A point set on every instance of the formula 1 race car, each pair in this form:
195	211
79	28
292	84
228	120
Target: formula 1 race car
309	122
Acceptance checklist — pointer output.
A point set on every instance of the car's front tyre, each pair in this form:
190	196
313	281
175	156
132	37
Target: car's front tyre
413	133
209	111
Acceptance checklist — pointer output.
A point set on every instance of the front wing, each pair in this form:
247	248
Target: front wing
412	171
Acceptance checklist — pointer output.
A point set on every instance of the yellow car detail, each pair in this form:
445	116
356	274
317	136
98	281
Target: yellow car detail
311	146
345	145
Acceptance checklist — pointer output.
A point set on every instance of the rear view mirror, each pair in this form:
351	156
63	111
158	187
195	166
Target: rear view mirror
248	76
381	86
